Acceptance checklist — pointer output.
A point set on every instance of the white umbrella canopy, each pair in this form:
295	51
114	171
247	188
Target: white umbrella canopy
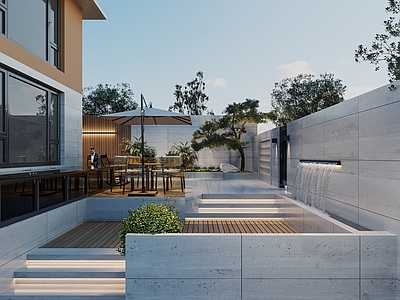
152	116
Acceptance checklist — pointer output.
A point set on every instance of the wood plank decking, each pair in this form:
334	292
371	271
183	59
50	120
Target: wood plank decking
104	234
91	234
236	226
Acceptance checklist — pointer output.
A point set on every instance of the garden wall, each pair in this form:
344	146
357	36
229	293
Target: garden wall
363	133
163	138
261	266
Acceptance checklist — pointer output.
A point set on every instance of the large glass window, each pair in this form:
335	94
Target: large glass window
33	124
27	25
34	24
27	120
53	33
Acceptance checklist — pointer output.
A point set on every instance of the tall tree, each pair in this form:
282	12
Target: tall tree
386	46
296	97
192	100
229	129
107	99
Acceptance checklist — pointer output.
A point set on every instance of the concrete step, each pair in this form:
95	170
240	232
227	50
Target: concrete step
240	196
75	254
224	206
235	215
71	274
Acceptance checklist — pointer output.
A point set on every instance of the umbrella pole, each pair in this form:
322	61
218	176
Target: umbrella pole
142	137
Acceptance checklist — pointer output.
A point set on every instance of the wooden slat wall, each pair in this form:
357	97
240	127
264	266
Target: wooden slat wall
104	135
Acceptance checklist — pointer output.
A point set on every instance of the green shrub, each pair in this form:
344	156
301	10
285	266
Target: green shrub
150	219
134	147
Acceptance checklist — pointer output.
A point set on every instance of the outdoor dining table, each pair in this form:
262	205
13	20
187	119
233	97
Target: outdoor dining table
149	175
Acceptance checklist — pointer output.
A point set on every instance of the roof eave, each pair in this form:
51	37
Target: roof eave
90	10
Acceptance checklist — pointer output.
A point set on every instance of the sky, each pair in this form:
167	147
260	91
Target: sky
243	47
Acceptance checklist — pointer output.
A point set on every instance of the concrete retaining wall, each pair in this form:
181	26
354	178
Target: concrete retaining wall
261	266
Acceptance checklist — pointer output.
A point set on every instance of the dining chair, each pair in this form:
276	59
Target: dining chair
120	165
134	169
171	166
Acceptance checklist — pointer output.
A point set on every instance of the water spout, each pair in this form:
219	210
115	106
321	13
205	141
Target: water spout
310	184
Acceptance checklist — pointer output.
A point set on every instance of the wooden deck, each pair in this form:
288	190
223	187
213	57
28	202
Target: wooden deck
237	226
102	234
91	234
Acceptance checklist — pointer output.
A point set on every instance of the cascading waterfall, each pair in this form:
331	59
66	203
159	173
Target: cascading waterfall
311	183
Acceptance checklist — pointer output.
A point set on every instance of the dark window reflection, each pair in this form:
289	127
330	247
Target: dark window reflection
27	122
2	96
2	151
53	117
2	22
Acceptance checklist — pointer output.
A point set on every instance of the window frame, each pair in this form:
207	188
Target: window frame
50	141
52	47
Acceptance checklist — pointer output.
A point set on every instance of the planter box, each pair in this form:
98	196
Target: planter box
245	266
221	175
217	175
245	175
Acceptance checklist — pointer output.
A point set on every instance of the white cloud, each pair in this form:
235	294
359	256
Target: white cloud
353	91
294	69
217	82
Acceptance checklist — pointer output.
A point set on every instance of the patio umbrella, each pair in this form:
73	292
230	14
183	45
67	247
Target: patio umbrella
147	115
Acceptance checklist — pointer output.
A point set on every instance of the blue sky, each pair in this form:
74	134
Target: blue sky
242	46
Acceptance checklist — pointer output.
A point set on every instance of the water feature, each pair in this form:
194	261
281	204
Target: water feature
311	183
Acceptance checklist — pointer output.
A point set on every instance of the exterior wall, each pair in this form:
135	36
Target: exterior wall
70	119
70	74
164	138
68	81
364	134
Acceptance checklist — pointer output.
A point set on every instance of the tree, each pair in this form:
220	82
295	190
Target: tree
386	46
229	129
296	97
192	100
107	99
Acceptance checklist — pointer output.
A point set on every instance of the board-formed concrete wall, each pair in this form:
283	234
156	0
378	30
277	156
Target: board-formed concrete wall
364	134
261	266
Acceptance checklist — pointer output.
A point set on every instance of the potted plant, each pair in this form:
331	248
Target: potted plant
150	219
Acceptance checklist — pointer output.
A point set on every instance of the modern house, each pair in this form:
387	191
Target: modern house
40	111
41	83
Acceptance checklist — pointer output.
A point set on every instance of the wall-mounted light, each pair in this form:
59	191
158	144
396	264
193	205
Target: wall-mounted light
286	138
98	132
274	140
